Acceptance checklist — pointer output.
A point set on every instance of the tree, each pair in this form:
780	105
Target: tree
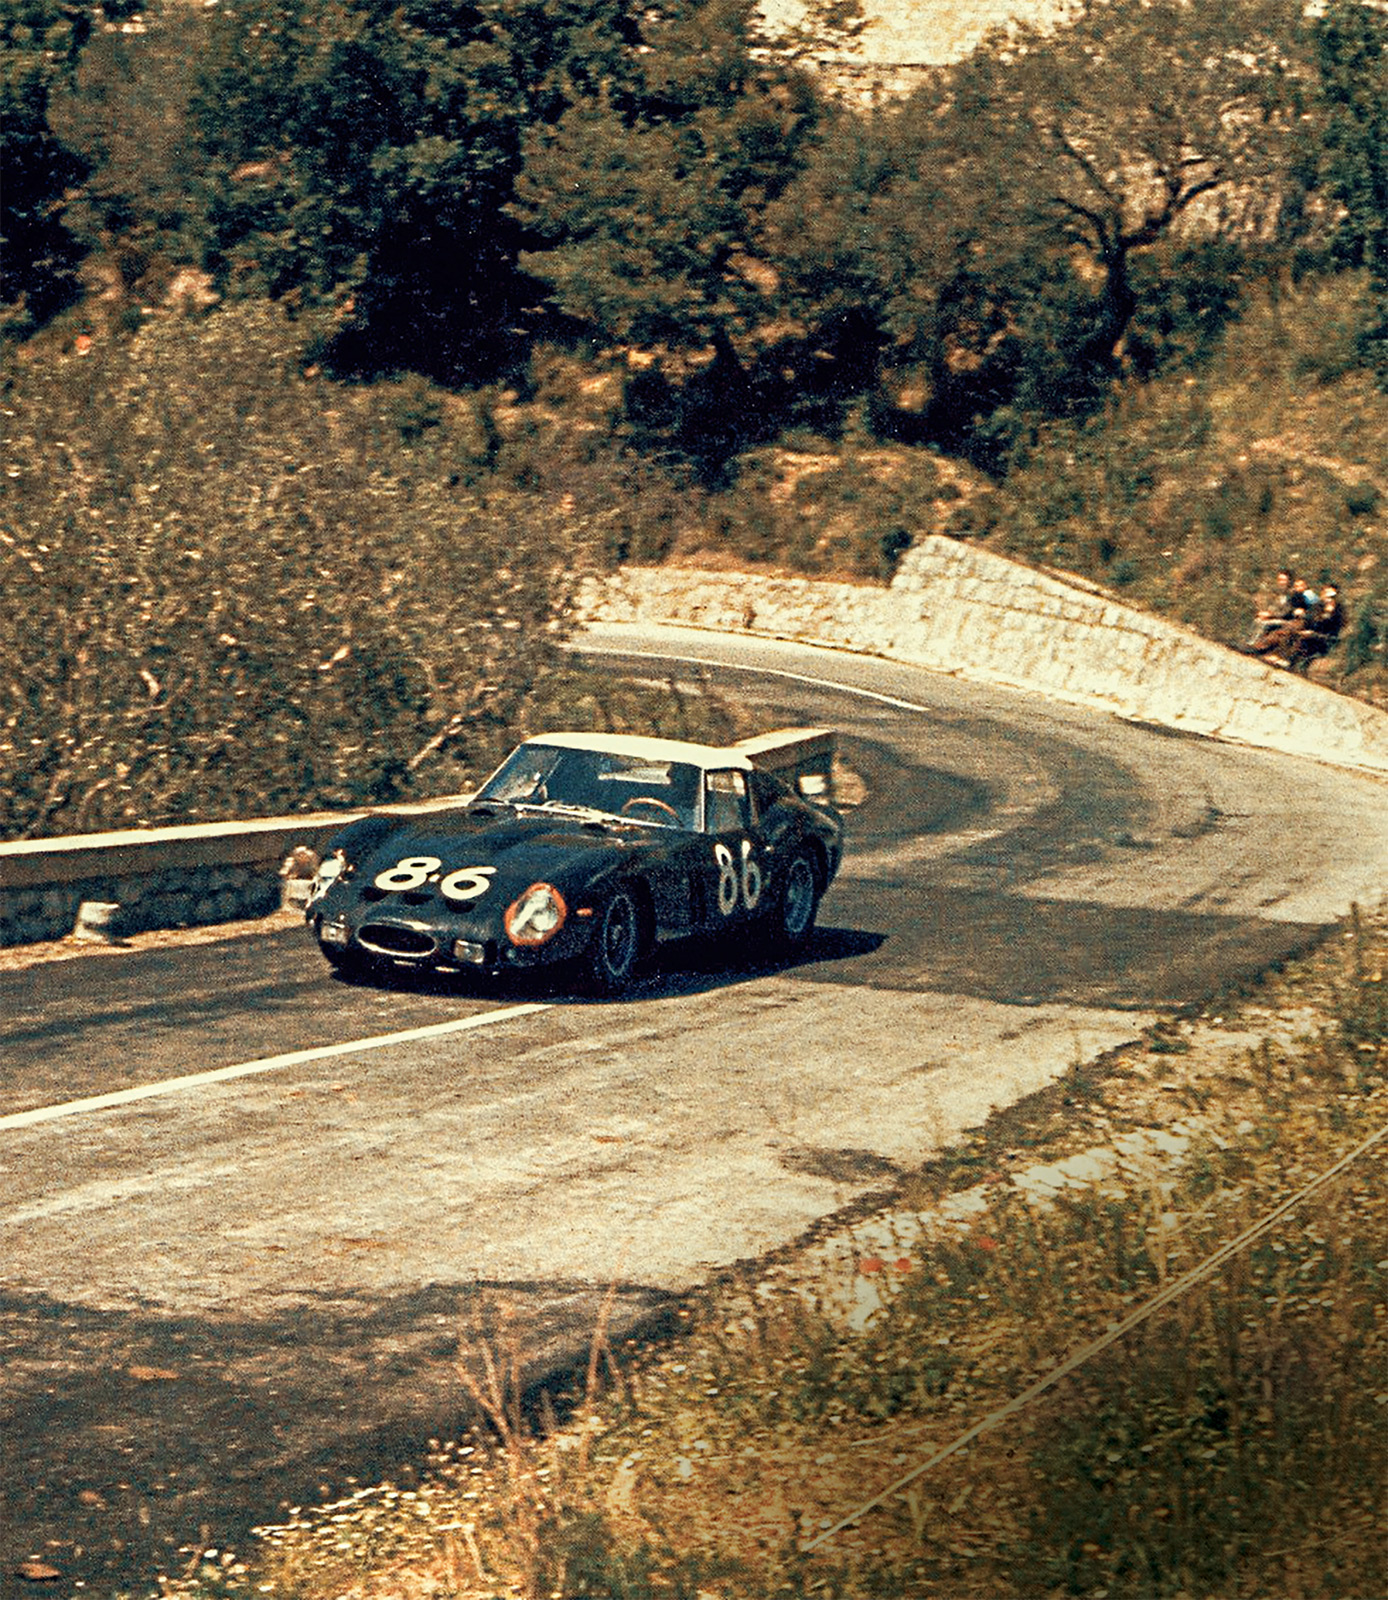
992	224
126	113
40	44
642	207
1352	53
1138	120
362	155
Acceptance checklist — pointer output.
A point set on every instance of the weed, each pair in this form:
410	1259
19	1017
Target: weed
1231	1443
1362	499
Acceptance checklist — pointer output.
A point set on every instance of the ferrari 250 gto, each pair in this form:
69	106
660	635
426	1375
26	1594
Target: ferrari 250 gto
590	849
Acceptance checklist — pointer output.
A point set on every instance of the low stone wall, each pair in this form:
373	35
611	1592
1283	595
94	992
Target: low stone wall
955	608
110	885
157	878
130	882
115	907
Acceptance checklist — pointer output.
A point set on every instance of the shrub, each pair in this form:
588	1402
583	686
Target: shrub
232	588
1362	499
1363	636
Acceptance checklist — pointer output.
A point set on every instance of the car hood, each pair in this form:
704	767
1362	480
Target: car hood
523	847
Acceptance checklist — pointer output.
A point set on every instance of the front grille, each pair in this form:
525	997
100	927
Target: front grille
387	939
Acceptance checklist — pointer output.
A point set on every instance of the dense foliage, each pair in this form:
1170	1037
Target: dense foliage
1352	41
40	42
363	154
229	588
440	189
367	293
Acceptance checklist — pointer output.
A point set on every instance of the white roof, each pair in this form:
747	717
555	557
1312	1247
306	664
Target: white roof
643	747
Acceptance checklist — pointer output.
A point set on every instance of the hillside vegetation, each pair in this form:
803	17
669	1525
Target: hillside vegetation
233	587
339	337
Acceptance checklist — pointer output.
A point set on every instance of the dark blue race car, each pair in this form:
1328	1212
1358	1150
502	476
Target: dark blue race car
590	849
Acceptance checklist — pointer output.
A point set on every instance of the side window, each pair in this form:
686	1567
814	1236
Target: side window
766	791
725	802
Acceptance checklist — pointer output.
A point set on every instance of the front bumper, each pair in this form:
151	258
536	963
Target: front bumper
453	944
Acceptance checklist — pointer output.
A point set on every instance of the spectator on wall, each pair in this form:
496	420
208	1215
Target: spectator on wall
1275	637
1322	629
1274	610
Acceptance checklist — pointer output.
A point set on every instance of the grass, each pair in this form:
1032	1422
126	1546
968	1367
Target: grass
237	588
1230	1444
1183	495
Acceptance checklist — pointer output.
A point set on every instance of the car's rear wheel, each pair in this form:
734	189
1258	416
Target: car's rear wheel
796	903
616	942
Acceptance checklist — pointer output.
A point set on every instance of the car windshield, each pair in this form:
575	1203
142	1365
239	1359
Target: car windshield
635	788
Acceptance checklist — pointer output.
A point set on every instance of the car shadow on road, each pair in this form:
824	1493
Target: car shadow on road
697	966
683	967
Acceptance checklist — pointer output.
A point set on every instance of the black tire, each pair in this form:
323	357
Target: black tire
616	945
352	965
796	902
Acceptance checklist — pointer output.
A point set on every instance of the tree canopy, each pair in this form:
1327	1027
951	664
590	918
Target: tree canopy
40	44
1352	47
438	187
992	223
366	153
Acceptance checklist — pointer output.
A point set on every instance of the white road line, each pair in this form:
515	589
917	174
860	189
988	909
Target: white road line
107	1102
612	648
247	1069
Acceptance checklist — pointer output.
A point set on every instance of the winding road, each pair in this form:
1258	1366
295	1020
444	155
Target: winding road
243	1277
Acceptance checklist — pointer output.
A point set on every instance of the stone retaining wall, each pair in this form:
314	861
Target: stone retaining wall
951	607
157	877
156	900
109	885
955	608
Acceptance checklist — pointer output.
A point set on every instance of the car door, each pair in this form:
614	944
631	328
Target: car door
732	870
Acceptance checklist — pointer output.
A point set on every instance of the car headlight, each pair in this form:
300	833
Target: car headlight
536	916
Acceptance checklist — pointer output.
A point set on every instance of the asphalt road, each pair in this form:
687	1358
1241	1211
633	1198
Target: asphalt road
253	1287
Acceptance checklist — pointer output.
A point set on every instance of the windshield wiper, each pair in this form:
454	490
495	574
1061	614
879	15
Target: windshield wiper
566	808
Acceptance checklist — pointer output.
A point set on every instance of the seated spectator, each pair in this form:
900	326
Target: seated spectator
1275	610
1302	597
1277	636
1321	630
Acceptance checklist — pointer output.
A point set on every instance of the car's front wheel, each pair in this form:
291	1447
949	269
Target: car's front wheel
796	903
616	942
353	965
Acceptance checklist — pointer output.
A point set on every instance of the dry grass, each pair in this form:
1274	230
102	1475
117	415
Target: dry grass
1232	1444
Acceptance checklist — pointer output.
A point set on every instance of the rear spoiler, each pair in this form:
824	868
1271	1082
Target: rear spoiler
801	757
